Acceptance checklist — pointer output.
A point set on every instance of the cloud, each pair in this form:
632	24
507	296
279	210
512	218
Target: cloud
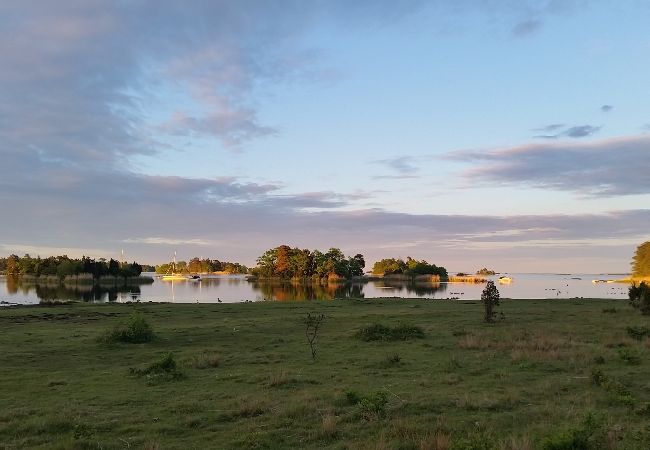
549	128
526	28
605	168
575	132
606	108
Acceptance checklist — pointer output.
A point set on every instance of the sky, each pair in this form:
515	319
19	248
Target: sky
512	134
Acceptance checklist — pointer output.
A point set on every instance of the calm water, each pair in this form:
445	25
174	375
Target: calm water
235	288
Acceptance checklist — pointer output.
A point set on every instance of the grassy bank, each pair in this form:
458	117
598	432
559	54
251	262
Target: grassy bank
554	373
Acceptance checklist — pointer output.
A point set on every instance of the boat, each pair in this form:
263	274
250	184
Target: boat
194	277
174	275
505	280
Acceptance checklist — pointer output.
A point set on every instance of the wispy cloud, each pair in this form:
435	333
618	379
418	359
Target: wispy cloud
606	108
608	167
526	27
575	132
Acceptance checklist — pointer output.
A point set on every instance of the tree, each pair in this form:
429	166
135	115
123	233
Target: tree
490	299
13	265
641	261
640	297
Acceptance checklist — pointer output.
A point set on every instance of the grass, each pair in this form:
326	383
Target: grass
556	374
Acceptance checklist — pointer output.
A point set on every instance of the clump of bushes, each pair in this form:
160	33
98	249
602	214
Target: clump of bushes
165	369
621	392
584	436
379	332
638	333
135	330
371	406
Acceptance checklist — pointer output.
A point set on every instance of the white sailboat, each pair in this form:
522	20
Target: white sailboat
173	275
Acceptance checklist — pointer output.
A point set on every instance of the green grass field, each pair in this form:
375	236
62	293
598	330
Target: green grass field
555	374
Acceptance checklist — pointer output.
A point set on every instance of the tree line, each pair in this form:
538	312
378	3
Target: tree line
198	265
392	266
287	262
62	266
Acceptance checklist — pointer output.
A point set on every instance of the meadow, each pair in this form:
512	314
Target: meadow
388	374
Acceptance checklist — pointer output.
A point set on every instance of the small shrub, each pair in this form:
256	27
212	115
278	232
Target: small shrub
373	406
312	325
640	297
379	332
598	377
581	437
630	356
393	360
638	333
352	397
135	330
643	410
164	370
599	359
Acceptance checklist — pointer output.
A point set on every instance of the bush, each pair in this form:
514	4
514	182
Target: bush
371	406
135	330
165	369
379	332
638	333
582	437
640	297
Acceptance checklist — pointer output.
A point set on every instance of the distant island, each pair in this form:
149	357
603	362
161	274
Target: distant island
485	271
410	268
202	266
62	269
284	262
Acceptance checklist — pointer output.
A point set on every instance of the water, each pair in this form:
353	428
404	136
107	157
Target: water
235	288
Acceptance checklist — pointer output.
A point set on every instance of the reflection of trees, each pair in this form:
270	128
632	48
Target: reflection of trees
305	290
12	284
77	292
417	288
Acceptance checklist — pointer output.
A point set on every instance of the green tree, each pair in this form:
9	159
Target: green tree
641	261
490	299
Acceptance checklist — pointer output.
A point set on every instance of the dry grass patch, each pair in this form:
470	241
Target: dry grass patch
206	360
516	443
330	423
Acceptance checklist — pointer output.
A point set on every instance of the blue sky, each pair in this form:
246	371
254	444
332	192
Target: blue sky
514	135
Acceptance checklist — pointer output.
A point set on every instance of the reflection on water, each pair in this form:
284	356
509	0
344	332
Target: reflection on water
236	288
50	291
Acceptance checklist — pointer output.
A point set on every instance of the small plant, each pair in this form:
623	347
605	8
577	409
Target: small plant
352	397
490	298
638	333
164	370
312	325
598	377
630	356
394	359
373	406
581	437
640	297
379	332
135	330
